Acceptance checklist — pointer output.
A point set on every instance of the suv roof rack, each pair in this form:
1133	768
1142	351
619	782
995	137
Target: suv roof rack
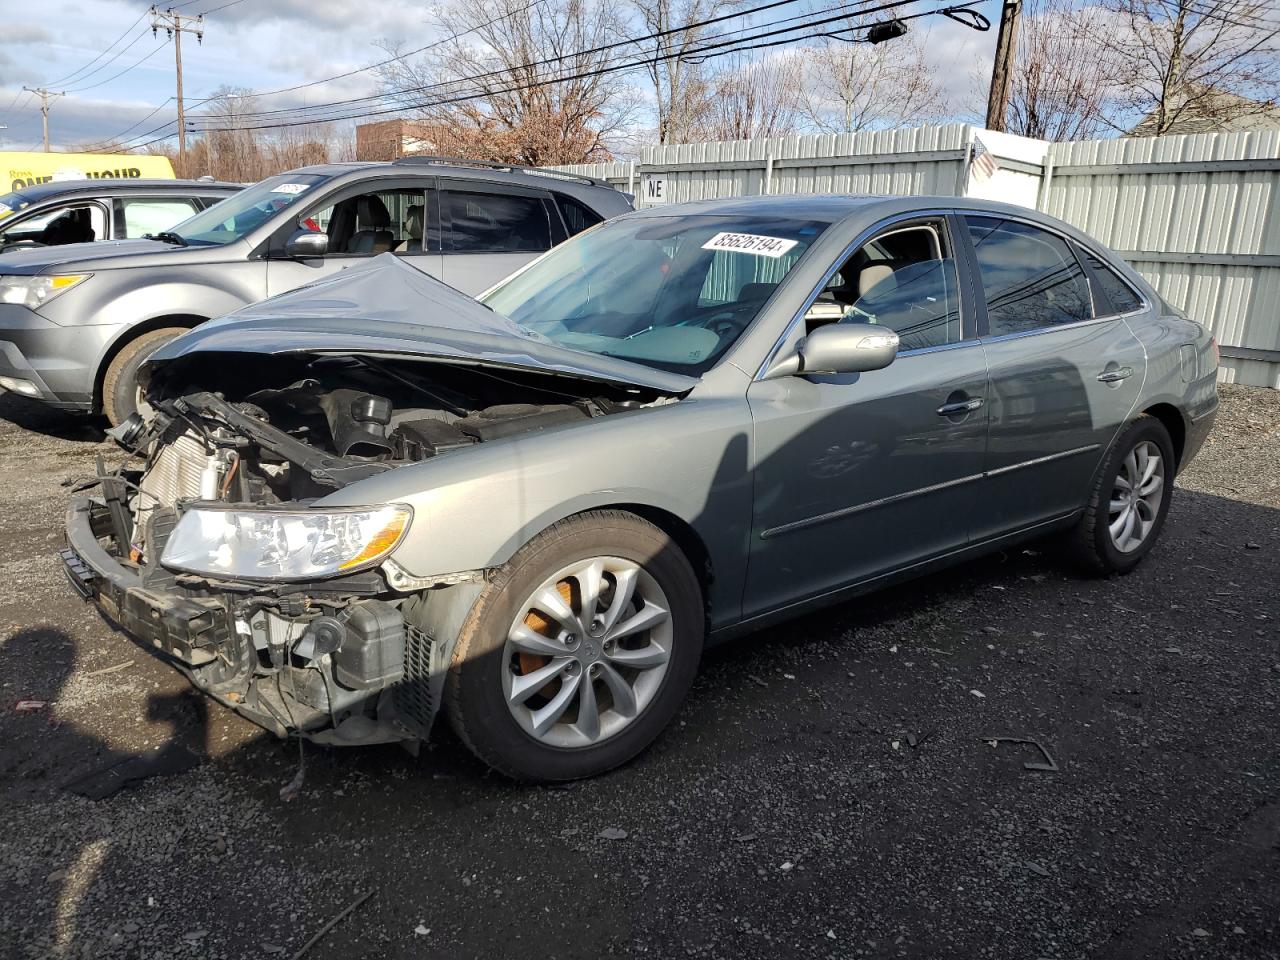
424	159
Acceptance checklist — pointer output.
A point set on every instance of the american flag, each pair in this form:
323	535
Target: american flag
982	164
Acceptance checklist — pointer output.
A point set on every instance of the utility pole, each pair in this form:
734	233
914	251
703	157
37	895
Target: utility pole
45	97
175	24
1002	68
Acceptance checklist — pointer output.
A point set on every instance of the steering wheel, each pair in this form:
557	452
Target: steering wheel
726	322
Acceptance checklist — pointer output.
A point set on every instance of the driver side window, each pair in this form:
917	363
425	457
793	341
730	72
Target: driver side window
904	279
381	221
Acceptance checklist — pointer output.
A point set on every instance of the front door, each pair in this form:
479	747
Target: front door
1065	373
361	222
857	475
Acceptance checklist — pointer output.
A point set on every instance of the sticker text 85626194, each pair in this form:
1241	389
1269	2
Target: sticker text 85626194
753	243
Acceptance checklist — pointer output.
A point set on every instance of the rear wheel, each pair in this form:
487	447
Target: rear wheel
120	393
579	651
1129	500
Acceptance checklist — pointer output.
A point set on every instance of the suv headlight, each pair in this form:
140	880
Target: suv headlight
284	544
33	292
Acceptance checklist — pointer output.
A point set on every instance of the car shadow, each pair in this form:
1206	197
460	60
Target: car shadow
41	418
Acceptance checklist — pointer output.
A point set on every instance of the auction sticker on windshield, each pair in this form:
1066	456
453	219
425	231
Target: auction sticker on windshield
293	188
753	243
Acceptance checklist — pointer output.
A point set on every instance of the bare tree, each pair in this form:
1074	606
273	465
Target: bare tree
681	86
1062	86
755	98
1211	61
494	95
860	86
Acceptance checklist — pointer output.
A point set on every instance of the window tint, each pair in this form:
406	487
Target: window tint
373	223
1030	277
576	216
496	223
1115	290
904	279
143	216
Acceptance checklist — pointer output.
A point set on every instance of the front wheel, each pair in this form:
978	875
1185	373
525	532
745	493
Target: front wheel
1129	500
579	651
120	393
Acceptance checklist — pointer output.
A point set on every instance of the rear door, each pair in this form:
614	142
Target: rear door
1065	372
491	230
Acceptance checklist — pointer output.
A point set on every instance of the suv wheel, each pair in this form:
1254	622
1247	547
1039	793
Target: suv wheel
1129	501
579	651
120	394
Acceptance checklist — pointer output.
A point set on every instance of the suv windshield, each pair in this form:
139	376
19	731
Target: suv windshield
669	292
234	217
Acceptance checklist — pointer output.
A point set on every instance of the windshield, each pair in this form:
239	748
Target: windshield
230	219
670	292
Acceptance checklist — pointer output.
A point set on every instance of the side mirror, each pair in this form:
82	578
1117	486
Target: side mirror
840	348
306	245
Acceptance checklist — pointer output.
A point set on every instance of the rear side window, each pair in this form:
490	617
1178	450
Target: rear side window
1031	278
496	223
1114	289
140	217
577	217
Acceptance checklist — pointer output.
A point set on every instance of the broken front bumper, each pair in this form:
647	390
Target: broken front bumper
342	670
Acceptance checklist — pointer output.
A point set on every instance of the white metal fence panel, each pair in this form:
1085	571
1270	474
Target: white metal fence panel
1199	217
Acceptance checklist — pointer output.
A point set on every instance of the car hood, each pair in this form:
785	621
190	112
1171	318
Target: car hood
386	307
97	255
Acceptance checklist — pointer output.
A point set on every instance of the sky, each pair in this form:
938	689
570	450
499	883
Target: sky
258	44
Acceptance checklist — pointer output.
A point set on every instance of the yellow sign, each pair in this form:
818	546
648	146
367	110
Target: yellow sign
27	169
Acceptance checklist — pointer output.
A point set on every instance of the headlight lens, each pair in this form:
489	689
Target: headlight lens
33	292
284	544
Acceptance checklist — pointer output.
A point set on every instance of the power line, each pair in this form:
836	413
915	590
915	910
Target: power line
707	52
107	49
115	76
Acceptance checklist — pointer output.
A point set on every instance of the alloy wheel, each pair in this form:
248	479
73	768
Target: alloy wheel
1136	497
587	652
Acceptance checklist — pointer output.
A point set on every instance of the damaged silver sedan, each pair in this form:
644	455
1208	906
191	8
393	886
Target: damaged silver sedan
353	506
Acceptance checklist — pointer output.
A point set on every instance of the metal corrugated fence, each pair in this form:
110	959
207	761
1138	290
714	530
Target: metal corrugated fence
1198	216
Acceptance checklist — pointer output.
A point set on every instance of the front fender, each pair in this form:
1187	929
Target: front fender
474	508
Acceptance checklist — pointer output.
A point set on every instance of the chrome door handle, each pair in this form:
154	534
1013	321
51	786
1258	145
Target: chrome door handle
960	406
1115	376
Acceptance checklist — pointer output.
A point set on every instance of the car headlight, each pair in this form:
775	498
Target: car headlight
33	292
284	544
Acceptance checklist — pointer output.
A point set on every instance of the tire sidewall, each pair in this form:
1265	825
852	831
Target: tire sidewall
1142	429
121	382
489	726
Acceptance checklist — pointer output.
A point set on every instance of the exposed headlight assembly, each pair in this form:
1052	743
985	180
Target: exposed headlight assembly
34	292
284	544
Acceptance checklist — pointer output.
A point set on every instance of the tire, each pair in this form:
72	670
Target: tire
488	667
1093	544
120	383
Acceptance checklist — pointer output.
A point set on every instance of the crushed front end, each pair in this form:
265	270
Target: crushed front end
207	544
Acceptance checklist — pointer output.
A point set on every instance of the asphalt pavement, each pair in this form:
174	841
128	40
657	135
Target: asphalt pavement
832	788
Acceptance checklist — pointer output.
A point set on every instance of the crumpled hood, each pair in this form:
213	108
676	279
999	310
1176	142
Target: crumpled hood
387	307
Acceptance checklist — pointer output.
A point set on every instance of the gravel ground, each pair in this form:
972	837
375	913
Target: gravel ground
827	791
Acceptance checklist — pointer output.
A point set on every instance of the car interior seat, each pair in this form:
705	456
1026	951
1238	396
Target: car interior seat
374	221
413	231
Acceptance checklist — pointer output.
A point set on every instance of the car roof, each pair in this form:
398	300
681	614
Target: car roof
838	207
572	184
66	188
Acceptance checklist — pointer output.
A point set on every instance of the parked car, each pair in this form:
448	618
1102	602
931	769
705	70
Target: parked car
76	322
374	498
62	212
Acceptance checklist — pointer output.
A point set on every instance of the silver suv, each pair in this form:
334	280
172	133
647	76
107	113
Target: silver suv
77	321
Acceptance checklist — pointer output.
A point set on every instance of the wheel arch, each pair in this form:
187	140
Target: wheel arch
1171	419
131	333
